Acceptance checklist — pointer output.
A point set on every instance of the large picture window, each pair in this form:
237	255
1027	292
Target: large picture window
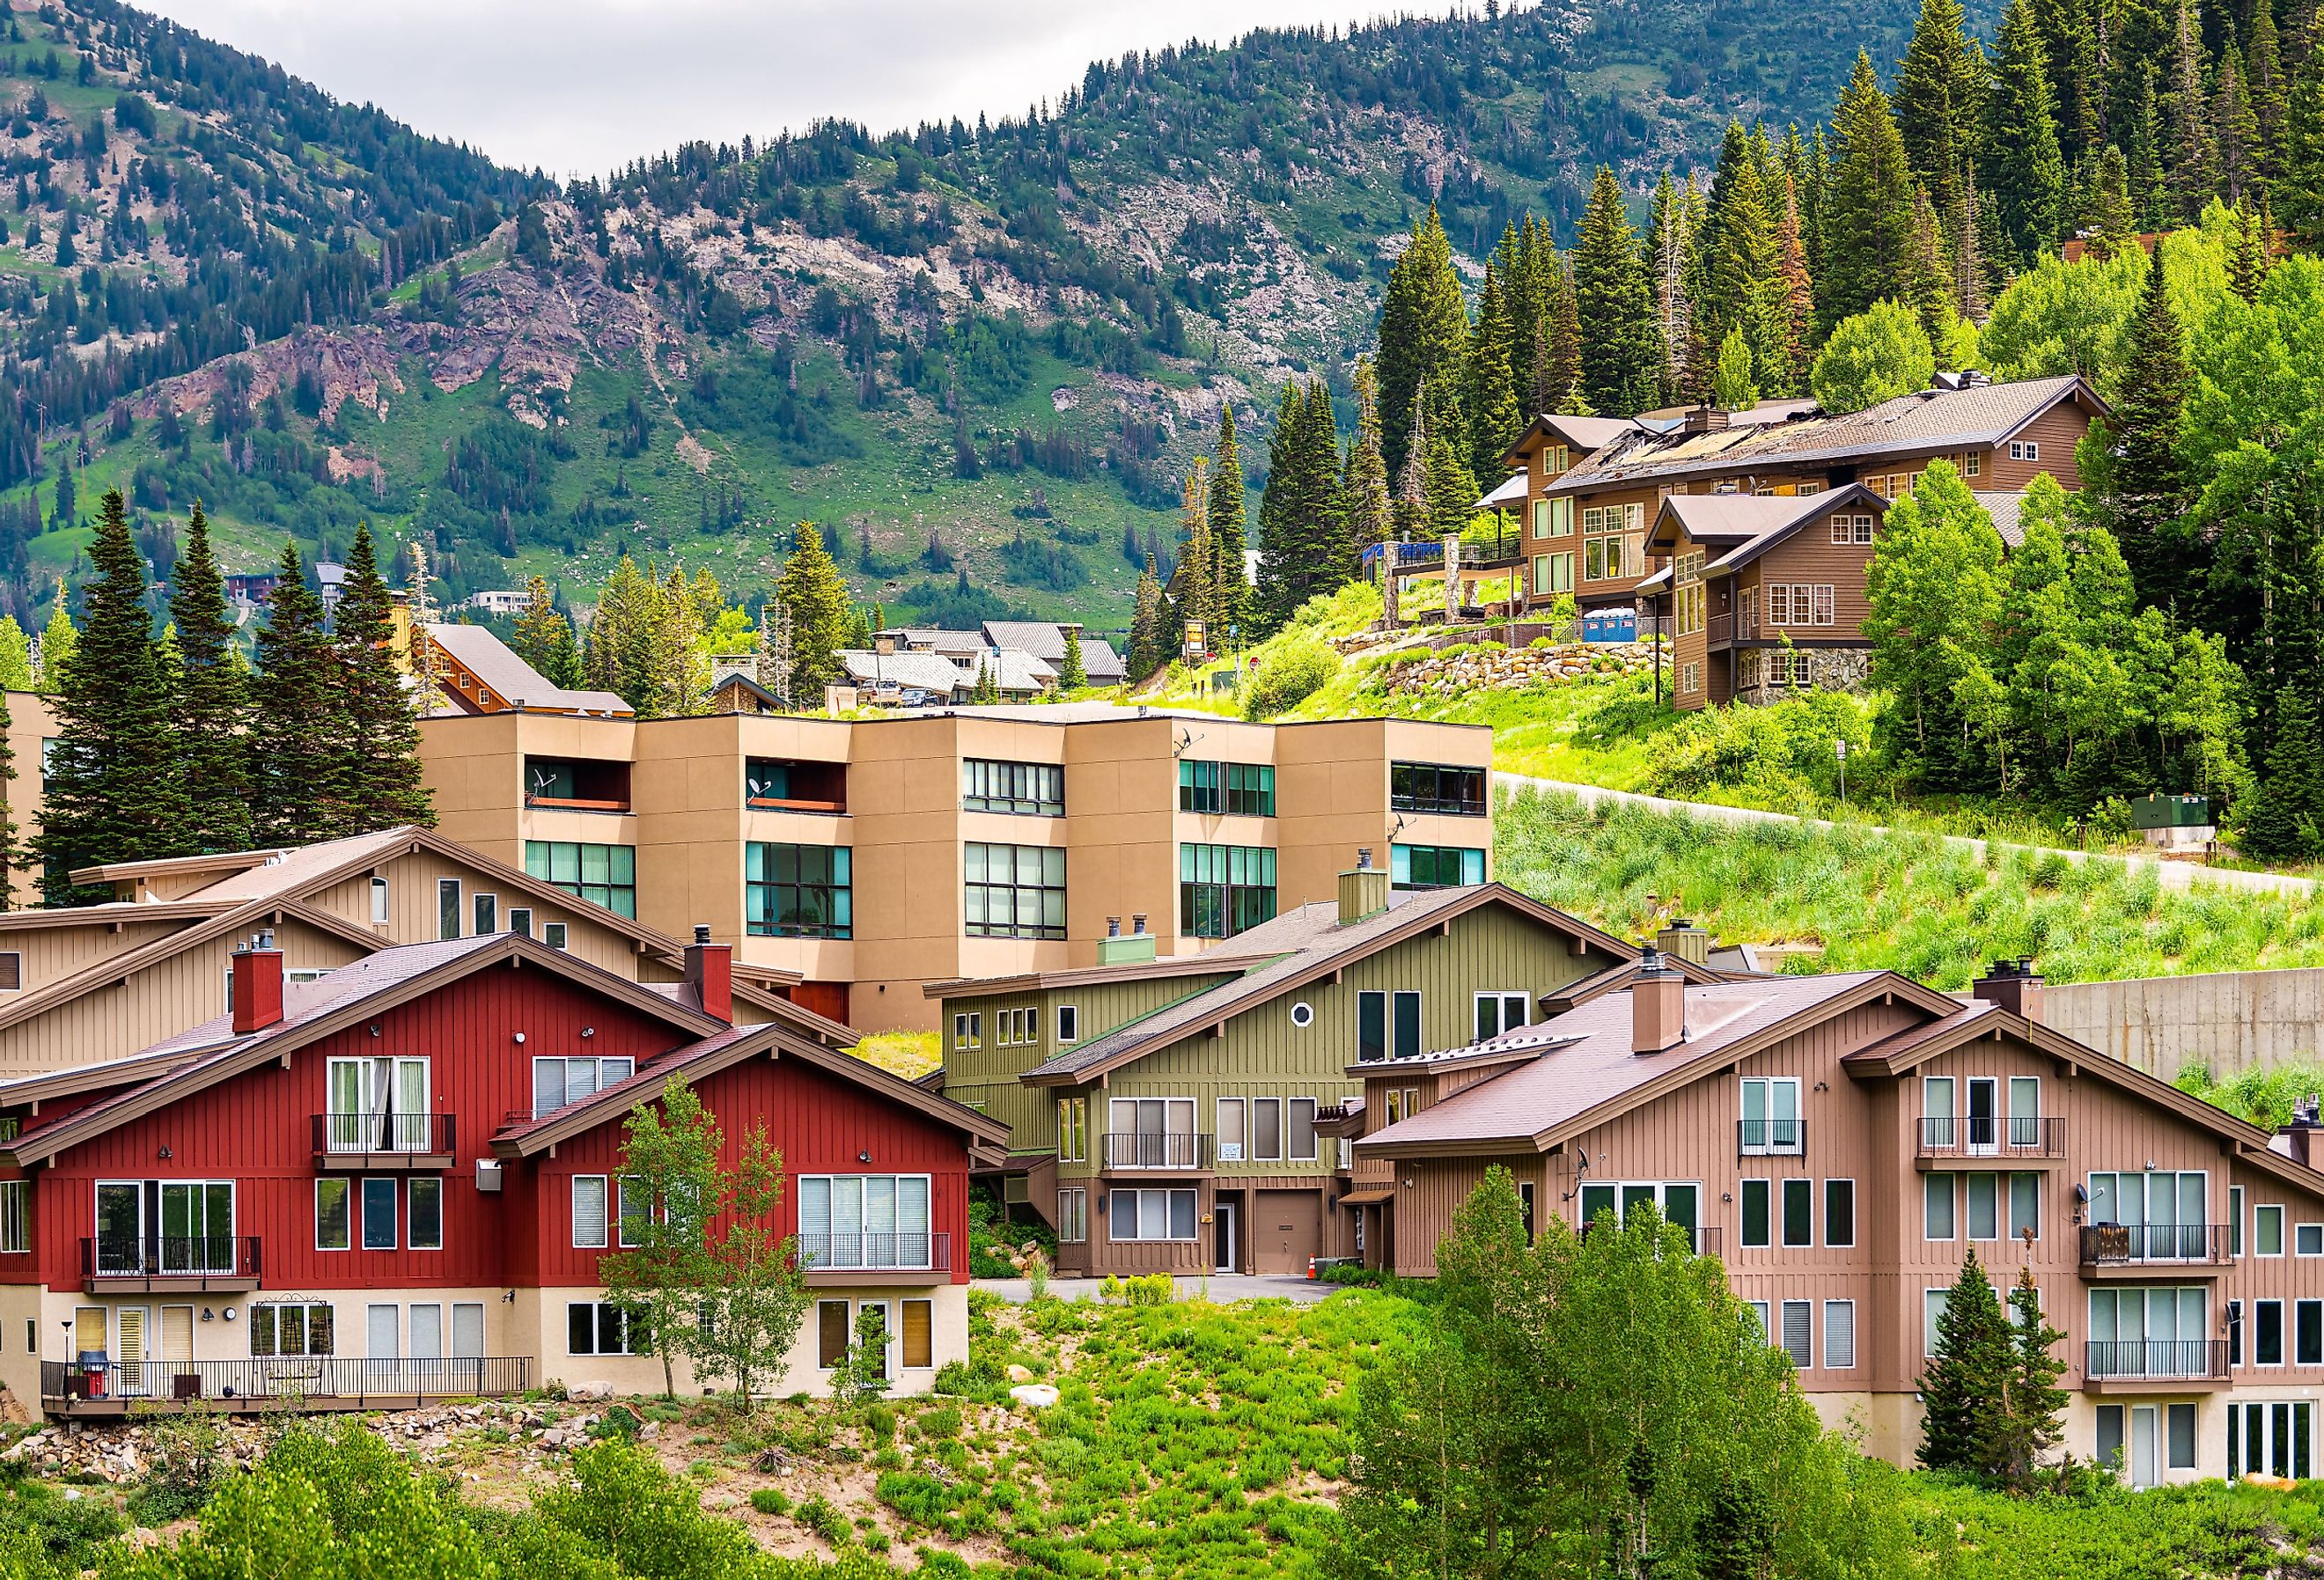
1436	787
1433	866
558	1081
1150	1215
291	1328
1029	790
1224	889
864	1220
1014	892
799	891
602	874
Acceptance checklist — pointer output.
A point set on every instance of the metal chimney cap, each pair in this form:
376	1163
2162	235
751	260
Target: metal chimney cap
1363	858
701	932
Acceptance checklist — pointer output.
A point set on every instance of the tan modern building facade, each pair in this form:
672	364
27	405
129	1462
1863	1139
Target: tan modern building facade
870	856
1845	1142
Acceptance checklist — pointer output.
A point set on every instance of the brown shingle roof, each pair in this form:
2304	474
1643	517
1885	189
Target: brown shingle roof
497	665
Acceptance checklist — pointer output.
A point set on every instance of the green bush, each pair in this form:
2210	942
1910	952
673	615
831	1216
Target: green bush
769	1501
1771	755
939	1424
1288	676
1145	1290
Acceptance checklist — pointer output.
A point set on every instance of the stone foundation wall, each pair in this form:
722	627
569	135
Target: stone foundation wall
1766	675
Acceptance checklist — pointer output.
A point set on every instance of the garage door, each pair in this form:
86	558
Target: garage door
1285	1229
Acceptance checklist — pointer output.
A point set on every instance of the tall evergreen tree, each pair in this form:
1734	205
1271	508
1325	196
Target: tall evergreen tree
1452	489
1198	568
1303	527
112	790
1939	83
1964	1392
1799	290
2024	170
1423	333
544	637
1560	387
1368	513
812	590
1614	301
379	767
1149	625
210	711
2237	136
1746	264
1491	397
1670	252
296	720
1868	226
1228	536
2297	193
2143	493
2263	76
2034	1421
2286	820
2194	152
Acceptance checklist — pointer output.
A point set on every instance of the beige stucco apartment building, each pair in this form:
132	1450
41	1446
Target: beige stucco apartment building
872	855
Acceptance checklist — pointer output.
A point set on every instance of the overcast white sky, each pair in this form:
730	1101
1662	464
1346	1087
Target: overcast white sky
582	86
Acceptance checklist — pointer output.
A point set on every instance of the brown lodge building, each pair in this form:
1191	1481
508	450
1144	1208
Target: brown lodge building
1762	598
1844	1141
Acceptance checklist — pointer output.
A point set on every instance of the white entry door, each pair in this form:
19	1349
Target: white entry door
2145	1453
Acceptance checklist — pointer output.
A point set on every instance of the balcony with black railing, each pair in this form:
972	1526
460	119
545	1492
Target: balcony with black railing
1766	1138
1186	1152
277	1382
885	1256
373	1144
2136	1249
131	1263
1704	1240
1989	1142
2154	1364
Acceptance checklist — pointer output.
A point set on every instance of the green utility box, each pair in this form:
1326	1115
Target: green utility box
2170	812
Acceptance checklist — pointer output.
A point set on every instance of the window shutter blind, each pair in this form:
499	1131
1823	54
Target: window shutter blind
588	1210
1795	1333
1839	1333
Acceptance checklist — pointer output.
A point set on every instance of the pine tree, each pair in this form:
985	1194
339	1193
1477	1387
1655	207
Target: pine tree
1868	220
1494	423
2194	167
2237	136
2112	225
2033	1421
2145	495
1368	513
1423	333
1939	84
1746	262
379	768
1229	578
1615	304
211	710
1197	563
2286	821
1670	249
1965	1390
111	787
296	719
1450	486
1072	674
2153	207
2263	77
1149	625
1560	388
9	854
816	599
1304	544
2298	192
1799	290
2025	171
1928	282
544	638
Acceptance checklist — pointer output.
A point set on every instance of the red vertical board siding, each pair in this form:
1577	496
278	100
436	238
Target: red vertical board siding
256	1129
819	1122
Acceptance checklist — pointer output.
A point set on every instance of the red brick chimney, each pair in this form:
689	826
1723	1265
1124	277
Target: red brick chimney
710	973
1657	1005
257	986
2013	986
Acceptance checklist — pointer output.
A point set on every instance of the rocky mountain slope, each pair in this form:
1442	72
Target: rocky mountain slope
983	355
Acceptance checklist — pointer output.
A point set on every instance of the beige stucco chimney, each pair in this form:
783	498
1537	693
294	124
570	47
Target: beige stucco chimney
1657	1005
2013	986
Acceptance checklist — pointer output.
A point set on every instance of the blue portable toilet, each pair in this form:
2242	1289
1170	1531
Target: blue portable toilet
1610	625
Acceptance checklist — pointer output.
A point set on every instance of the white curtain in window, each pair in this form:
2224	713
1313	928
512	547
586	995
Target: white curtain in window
588	1209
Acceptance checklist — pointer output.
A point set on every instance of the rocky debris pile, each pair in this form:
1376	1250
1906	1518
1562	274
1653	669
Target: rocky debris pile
1505	668
122	1453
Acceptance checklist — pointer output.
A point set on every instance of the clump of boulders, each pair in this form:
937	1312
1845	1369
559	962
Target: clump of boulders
122	1453
1510	669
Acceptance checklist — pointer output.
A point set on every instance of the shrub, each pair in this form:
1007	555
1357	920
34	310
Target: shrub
769	1501
1288	676
828	1522
939	1424
976	1377
1146	1290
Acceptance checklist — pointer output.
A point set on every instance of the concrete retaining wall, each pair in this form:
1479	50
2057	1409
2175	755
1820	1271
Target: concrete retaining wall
2227	1019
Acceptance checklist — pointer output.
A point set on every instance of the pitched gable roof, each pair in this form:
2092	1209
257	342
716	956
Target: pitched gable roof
316	1010
1743	526
499	669
1304	943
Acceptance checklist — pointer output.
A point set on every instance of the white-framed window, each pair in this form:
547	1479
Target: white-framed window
1846	528
865	1220
378	1196
1839	1212
488	914
1765	1315
559	1083
2234	1220
1758	1214
1799	1342
1501	1012
1679	1201
1072	1214
1771	1115
1266	1130
600	1327
2152	1332
1983	1192
1839	1334
1073	1130
424	1208
1933	1311
334	1215
2307	1239
2267	1230
2267	1332
968	1029
589	1212
552	933
1234	1130
1150	1215
2162	1215
379	911
1069	1023
15	1221
1937	1206
448	907
377	1105
520	920
1973	464
1799	1214
1299	1129
2025	449
2024	1206
1690	678
633	1209
2307	1333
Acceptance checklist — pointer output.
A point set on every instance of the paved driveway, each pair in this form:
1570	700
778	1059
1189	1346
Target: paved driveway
1221	1287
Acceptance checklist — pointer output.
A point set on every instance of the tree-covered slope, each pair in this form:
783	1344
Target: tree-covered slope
985	350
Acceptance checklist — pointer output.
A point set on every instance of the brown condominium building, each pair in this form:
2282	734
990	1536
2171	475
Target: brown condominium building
1596	523
1184	1115
866	856
1845	1142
